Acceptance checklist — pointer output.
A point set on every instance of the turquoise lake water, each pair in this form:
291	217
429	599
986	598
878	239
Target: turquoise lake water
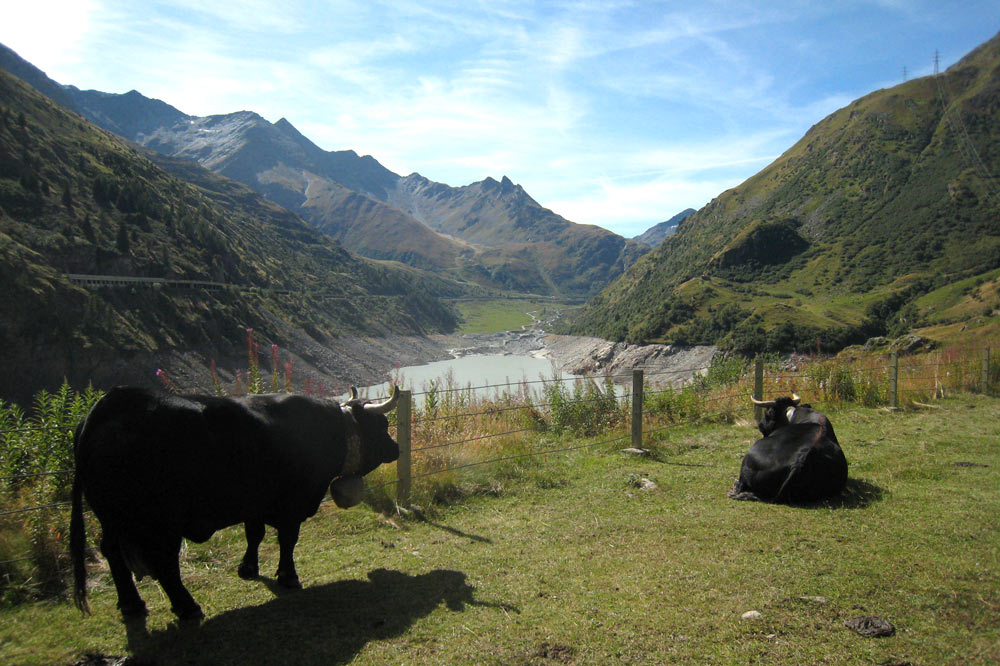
498	372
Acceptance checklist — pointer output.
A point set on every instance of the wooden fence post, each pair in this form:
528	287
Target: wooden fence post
986	370
637	409
404	411
894	381
758	386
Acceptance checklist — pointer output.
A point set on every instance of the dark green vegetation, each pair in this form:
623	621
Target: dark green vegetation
879	204
564	559
489	233
76	199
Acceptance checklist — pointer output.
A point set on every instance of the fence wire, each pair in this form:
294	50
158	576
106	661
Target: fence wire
470	439
505	458
530	405
595	378
914	371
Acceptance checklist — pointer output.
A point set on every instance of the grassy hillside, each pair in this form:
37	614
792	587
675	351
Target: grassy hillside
76	199
883	201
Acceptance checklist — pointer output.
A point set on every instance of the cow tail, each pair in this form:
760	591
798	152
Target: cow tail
77	532
797	464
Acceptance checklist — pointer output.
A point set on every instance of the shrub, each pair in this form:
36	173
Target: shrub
36	459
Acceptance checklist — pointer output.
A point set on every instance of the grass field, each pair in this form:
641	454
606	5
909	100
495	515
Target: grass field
498	315
565	560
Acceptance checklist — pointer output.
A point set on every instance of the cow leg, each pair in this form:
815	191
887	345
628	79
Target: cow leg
288	536
130	603
249	567
167	570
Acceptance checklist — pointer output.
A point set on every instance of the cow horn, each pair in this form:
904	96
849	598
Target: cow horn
762	403
384	407
354	392
796	399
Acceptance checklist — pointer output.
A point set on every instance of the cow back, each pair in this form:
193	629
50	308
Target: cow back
195	464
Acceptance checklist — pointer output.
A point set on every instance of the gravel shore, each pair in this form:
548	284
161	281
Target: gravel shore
362	361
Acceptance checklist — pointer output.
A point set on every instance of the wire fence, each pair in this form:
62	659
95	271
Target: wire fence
435	441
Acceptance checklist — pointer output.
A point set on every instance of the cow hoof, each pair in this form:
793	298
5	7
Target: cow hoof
133	611
289	581
248	571
192	614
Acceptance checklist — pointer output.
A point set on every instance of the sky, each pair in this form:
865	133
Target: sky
608	112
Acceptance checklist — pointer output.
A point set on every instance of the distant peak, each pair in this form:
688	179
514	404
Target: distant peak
287	128
505	184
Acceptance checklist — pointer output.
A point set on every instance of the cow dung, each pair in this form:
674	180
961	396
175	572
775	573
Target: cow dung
347	491
870	626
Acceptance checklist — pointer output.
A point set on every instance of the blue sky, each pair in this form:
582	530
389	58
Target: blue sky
609	112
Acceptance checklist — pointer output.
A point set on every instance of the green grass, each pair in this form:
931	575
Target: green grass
564	560
498	315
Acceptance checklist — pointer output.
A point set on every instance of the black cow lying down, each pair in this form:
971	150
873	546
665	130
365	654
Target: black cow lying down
159	469
798	460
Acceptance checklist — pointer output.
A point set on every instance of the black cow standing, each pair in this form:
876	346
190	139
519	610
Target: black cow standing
156	470
799	459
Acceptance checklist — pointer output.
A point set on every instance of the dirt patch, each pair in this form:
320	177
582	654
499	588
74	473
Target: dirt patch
557	652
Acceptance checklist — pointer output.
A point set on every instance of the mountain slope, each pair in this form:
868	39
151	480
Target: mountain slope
378	214
489	233
655	235
498	213
76	199
883	200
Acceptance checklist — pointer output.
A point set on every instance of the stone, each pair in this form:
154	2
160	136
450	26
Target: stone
870	626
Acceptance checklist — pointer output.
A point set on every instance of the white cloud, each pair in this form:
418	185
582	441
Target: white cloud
48	34
630	209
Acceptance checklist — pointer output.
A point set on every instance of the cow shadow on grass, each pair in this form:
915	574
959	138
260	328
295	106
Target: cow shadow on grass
326	624
857	494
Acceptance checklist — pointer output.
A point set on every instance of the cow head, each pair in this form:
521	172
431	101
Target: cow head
368	446
377	445
777	413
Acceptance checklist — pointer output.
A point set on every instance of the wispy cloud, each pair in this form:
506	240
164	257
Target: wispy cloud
615	112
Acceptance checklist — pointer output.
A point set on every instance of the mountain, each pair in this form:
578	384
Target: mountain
655	235
500	214
489	233
75	199
885	200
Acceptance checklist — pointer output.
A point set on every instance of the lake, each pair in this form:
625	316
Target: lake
500	372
